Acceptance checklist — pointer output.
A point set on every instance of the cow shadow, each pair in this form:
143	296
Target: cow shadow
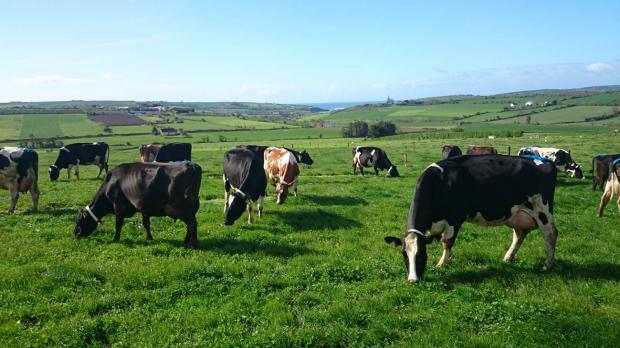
315	220
53	211
566	182
225	245
334	200
564	269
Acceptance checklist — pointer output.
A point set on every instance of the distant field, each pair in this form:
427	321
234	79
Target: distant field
59	125
600	99
573	114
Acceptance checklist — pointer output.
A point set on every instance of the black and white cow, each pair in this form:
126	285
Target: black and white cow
490	190
450	151
19	172
612	187
600	170
561	158
245	181
80	154
153	189
174	152
367	156
301	157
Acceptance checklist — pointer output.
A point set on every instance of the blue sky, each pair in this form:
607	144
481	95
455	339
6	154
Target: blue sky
289	51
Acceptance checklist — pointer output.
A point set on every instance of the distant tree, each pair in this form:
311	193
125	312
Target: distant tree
355	129
382	129
107	129
154	131
528	119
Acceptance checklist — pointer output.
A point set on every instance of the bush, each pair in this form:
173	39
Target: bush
357	129
382	129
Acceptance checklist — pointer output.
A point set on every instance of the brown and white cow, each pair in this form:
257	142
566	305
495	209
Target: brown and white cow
612	187
148	152
481	150
282	171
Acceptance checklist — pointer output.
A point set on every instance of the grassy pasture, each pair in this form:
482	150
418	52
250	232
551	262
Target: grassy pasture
314	271
573	114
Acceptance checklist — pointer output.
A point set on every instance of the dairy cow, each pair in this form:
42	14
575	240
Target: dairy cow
282	171
450	151
173	152
245	182
80	154
19	171
152	189
612	187
301	157
600	170
367	156
481	150
561	158
490	190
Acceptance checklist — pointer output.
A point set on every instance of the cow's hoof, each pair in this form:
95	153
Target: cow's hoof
547	267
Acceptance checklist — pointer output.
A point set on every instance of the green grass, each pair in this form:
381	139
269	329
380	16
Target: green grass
10	126
573	114
314	271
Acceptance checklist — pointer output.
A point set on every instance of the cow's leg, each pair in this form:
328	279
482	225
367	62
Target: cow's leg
354	167
295	188
119	226
518	236
260	205
69	171
13	190
448	237
249	209
361	169
618	203
34	193
376	170
146	222
77	170
550	234
100	169
226	197
604	199
191	237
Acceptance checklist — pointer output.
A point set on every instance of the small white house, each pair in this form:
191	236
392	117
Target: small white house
529	103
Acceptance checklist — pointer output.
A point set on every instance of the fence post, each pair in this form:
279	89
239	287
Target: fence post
508	150
405	160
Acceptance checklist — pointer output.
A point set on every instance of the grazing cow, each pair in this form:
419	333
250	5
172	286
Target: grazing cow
600	170
301	157
366	156
481	150
561	159
488	190
19	172
612	187
80	153
148	152
450	151
153	189
282	170
174	152
244	182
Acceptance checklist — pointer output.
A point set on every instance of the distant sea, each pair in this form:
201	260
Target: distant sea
339	105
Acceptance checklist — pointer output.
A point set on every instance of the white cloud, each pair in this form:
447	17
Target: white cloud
111	76
47	80
599	67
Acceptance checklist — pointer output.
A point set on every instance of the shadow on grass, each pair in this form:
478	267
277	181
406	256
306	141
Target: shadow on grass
315	220
225	245
563	269
53	211
568	181
334	200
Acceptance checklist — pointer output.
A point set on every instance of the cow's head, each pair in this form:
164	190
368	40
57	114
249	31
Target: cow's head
393	172
304	157
237	203
575	171
85	224
413	248
54	172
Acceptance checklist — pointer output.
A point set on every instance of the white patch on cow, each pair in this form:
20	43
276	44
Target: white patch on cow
97	159
435	165
64	149
411	248
442	227
372	153
356	158
612	187
521	217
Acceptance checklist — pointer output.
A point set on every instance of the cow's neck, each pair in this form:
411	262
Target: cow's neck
100	205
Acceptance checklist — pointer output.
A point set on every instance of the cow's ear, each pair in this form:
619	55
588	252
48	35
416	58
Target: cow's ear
393	240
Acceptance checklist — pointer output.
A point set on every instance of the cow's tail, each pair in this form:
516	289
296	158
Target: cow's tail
107	159
593	174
